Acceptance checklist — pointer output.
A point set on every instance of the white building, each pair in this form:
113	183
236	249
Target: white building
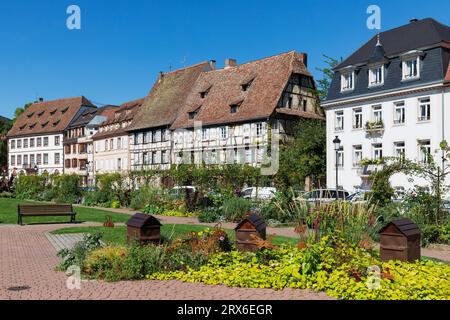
35	142
79	146
111	142
390	98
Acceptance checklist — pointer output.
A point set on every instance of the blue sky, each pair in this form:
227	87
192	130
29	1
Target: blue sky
122	45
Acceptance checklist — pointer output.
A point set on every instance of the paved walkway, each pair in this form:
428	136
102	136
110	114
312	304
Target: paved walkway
28	260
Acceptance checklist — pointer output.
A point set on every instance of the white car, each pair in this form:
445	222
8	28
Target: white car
323	196
182	190
258	193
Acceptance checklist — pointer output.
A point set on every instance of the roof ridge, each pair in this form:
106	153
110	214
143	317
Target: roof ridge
186	68
257	60
62	99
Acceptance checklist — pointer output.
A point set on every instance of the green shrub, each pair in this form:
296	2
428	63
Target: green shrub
77	255
6	195
65	188
152	209
235	208
115	204
211	215
29	187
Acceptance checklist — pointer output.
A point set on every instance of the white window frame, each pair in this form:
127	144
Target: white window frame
377	109
425	143
400	149
347	81
339	120
377	151
357	113
205	134
357	155
224	132
424	116
408	66
340	157
376	76
259	129
399	105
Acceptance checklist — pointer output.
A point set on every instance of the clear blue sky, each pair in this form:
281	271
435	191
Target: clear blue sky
124	44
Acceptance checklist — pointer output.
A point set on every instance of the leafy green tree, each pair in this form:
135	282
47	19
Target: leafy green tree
304	156
19	111
327	76
5	126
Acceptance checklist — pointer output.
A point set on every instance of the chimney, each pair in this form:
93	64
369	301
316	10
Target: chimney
229	63
304	57
161	75
413	20
212	64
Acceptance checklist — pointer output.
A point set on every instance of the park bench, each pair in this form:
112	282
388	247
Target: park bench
45	210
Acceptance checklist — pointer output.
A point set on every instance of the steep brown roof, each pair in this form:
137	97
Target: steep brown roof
48	116
167	96
125	112
268	78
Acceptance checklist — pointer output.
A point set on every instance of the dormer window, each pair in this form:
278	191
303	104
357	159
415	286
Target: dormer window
246	86
56	123
64	110
22	127
411	69
376	76
205	93
53	112
44	124
30	114
411	65
348	81
40	114
32	125
234	107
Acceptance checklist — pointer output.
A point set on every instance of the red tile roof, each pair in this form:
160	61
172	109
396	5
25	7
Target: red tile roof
267	79
125	112
48	116
167	96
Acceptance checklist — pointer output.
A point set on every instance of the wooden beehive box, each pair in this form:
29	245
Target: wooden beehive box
400	240
252	225
143	229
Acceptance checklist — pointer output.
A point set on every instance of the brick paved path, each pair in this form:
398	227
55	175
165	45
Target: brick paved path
27	261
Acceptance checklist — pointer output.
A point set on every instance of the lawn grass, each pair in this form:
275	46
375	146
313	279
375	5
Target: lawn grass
8	214
117	235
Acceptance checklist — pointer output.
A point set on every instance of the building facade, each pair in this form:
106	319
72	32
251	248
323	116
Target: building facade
232	114
79	146
111	142
151	139
389	99
35	142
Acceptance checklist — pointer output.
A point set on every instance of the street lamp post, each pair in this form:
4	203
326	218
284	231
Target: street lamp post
337	147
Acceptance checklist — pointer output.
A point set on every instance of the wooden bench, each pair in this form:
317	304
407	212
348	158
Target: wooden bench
45	210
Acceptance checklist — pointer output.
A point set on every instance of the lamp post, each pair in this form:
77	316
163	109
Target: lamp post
337	147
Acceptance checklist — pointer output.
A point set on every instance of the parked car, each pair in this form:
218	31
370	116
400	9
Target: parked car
181	191
323	195
361	196
258	193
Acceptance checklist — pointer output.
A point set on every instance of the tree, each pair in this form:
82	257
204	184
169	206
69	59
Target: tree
19	111
327	76
5	126
304	156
